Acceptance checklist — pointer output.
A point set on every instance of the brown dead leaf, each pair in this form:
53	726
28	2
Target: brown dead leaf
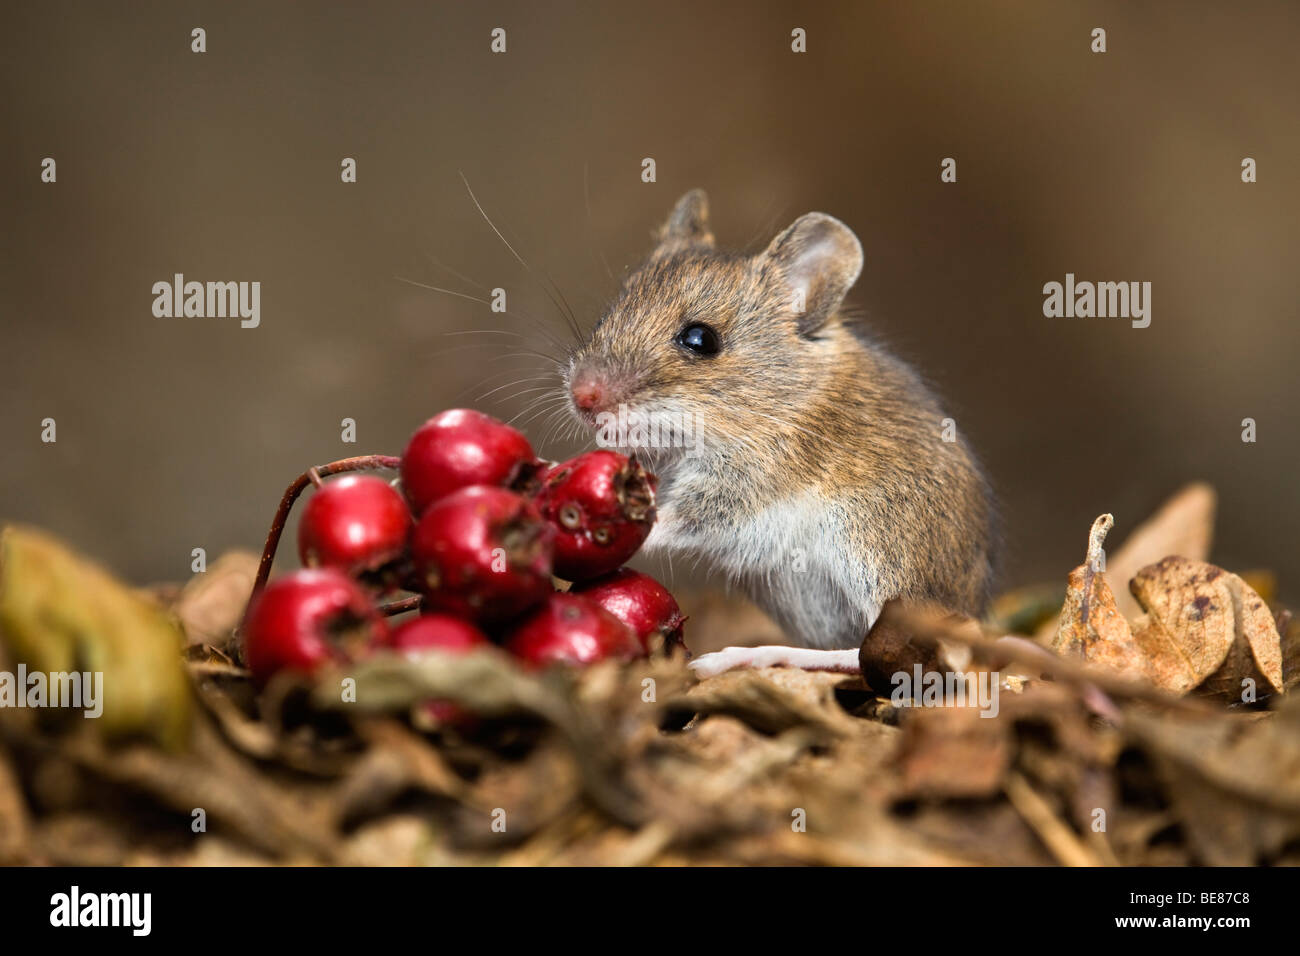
1233	780
1183	525
15	824
951	752
1206	628
211	604
1203	627
771	700
1090	626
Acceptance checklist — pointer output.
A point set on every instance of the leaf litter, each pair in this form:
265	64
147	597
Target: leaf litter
1152	725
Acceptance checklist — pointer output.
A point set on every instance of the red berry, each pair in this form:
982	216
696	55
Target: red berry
439	632
482	553
436	632
356	523
569	629
458	448
602	505
640	602
307	619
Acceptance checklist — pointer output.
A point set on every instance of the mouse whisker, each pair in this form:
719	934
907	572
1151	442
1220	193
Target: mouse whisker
518	381
514	396
571	320
556	418
479	285
545	402
550	357
538	408
541	326
446	268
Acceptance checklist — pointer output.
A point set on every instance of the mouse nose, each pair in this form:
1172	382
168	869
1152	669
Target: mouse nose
588	395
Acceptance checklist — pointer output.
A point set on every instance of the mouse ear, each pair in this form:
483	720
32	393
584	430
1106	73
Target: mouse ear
687	225
820	259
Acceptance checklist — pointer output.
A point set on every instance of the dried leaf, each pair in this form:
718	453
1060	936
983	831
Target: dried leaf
1206	628
1203	627
212	603
1233	781
15	824
771	699
1184	526
952	752
61	613
1090	626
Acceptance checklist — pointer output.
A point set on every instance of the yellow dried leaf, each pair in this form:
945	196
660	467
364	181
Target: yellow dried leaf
59	613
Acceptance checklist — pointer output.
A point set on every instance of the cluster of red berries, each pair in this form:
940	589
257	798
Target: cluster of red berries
478	529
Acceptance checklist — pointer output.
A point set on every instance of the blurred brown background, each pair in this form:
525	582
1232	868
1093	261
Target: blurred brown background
181	433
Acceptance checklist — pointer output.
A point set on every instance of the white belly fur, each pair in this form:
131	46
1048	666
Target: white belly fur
792	565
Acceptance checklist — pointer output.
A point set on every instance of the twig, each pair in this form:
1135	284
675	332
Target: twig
309	477
399	607
1059	838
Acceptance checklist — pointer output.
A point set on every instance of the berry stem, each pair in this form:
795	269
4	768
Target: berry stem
398	607
309	477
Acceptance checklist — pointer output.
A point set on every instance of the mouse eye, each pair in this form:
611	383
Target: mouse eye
700	339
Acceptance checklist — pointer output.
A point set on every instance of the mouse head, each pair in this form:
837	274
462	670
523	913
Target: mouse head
712	342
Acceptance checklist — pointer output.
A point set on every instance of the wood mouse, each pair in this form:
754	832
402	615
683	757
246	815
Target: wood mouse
816	475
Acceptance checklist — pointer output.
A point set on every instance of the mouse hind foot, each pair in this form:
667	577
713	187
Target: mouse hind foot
776	655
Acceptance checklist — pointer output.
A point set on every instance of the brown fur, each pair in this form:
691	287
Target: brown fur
797	407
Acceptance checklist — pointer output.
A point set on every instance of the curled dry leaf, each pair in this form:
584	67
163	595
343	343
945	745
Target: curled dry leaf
1220	632
1203	627
771	700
